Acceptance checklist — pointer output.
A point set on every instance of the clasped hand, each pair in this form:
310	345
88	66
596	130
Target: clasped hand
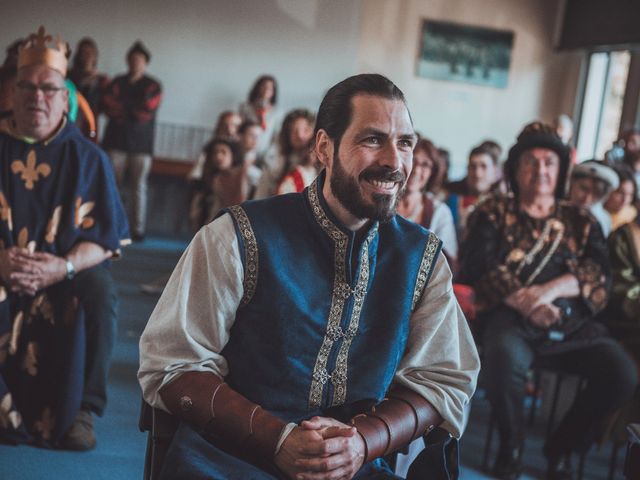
321	449
535	304
26	273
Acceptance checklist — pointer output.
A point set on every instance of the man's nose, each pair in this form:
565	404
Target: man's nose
392	157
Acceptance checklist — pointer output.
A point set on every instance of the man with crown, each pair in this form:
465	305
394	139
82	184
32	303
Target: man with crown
60	220
311	334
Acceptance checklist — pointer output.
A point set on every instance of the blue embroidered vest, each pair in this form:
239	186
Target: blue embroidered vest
324	319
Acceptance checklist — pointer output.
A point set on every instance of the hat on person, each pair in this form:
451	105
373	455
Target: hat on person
42	49
597	171
538	135
139	47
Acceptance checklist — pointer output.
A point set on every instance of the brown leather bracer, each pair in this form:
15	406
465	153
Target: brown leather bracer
203	400
392	424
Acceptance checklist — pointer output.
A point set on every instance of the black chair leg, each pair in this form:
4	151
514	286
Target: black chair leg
487	445
581	462
613	462
534	397
554	404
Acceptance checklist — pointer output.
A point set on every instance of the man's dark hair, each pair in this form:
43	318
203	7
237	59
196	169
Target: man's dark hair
334	115
246	125
255	90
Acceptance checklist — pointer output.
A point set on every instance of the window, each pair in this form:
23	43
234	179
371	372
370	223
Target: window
602	104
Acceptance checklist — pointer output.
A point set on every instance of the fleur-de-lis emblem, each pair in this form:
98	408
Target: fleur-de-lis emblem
52	226
5	211
7	415
30	361
42	307
23	240
4	347
15	333
30	172
82	214
45	424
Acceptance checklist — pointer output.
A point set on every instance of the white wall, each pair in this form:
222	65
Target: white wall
207	54
458	116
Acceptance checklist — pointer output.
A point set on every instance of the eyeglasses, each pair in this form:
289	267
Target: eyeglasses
46	89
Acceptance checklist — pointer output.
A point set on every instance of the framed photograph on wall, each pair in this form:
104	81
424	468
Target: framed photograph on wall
464	53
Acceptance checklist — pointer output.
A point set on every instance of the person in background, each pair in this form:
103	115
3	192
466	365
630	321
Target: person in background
61	219
131	102
540	270
591	183
8	72
293	148
622	316
84	74
620	203
224	182
301	176
248	134
226	127
261	107
305	335
483	174
419	204
563	126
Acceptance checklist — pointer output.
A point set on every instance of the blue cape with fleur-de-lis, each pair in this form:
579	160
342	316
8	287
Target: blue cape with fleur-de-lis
53	194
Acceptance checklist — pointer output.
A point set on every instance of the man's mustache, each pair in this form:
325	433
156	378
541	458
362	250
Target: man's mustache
383	175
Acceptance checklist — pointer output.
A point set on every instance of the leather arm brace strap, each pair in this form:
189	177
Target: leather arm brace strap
203	400
400	418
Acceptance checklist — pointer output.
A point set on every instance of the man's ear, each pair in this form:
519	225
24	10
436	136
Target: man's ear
324	148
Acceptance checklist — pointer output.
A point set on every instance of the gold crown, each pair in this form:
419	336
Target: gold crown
42	49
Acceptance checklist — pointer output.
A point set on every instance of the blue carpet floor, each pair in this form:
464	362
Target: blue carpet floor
120	451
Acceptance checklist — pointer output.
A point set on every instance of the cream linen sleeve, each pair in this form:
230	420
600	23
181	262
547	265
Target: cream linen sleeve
191	322
441	361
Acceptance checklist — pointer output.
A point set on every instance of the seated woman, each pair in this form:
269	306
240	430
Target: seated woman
294	145
620	202
261	107
420	205
540	270
224	182
623	312
227	127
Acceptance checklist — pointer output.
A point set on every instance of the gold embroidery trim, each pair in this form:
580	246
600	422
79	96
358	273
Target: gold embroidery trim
250	252
340	374
428	257
341	292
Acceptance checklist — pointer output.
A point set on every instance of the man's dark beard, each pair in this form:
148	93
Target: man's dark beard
347	190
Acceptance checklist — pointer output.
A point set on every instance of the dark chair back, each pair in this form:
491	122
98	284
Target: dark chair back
161	427
632	461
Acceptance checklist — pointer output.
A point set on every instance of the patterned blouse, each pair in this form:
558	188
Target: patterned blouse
505	249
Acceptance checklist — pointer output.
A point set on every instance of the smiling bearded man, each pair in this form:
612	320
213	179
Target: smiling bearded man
288	319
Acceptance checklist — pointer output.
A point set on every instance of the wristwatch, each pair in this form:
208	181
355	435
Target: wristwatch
71	270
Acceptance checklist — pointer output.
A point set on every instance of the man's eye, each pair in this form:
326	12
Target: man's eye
406	143
373	140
